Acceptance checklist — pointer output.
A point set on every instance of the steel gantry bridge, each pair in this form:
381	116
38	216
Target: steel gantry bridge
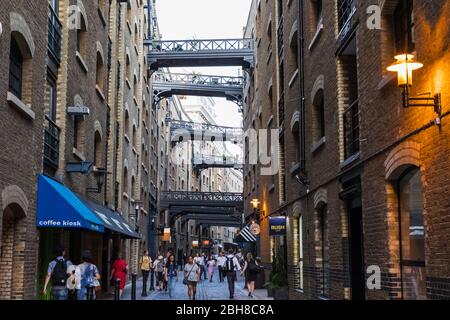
200	53
168	84
201	162
211	207
185	130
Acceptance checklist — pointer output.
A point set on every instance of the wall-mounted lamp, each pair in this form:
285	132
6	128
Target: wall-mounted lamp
404	66
100	176
255	203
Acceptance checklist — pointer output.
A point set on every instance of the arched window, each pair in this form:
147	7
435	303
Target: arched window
82	37
97	149
128	67
135	86
136	34
318	116
100	72
127	123
412	235
20	68
125	180
135	142
133	186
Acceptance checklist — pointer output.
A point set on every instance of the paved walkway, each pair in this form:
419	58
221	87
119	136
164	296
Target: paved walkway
205	291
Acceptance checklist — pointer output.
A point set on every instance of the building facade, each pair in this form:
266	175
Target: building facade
368	192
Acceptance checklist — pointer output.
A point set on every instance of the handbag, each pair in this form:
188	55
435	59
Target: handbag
185	280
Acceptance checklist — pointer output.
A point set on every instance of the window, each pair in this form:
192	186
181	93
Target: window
319	116
78	127
15	69
324	284
135	139
127	123
300	252
404	27
97	149
412	235
100	72
125	180
133	186
82	38
51	89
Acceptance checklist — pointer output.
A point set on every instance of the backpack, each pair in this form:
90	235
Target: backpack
87	280
59	274
229	264
160	266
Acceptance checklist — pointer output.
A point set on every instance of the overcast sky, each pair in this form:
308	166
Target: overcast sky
206	19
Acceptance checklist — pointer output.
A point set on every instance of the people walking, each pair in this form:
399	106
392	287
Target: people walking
146	265
220	265
159	269
191	277
73	283
58	273
89	277
251	270
171	275
119	271
231	267
211	263
203	260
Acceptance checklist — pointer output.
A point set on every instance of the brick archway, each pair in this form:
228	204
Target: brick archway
403	156
13	236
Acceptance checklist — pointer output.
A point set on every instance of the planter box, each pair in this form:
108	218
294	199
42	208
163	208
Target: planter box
281	294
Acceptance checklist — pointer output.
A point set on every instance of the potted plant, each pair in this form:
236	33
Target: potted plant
277	287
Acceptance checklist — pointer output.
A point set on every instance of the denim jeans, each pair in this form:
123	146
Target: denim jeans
172	283
60	293
83	292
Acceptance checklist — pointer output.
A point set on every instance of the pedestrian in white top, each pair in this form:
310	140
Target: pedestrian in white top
221	265
231	266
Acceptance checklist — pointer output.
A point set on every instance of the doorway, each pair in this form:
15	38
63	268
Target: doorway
356	253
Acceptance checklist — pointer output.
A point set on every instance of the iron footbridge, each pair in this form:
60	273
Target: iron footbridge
166	85
200	53
182	131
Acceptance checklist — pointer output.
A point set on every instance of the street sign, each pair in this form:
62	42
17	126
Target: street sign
277	226
78	111
166	234
195	243
255	229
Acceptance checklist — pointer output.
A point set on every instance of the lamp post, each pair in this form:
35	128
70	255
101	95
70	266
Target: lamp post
404	67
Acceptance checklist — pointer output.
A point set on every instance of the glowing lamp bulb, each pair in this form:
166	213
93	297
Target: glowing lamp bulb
404	66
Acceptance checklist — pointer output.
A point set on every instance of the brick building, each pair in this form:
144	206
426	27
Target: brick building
23	43
84	64
371	188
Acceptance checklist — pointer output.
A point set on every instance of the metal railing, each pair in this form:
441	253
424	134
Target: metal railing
280	36
281	111
351	129
198	79
200	45
51	143
54	34
206	128
198	197
230	160
346	11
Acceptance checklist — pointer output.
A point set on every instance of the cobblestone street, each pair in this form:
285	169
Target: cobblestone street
205	291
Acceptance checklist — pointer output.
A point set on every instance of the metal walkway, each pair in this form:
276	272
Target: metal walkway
205	162
184	130
169	199
200	53
168	84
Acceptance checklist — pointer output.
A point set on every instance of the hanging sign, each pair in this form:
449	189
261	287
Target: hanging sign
277	226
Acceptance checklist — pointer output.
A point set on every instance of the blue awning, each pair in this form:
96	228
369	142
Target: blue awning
59	207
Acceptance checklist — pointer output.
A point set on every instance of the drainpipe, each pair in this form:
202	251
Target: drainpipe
301	57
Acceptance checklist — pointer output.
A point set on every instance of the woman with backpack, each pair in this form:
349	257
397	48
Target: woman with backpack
159	269
119	271
89	277
251	270
171	274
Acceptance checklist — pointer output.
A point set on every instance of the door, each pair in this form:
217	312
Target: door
356	250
